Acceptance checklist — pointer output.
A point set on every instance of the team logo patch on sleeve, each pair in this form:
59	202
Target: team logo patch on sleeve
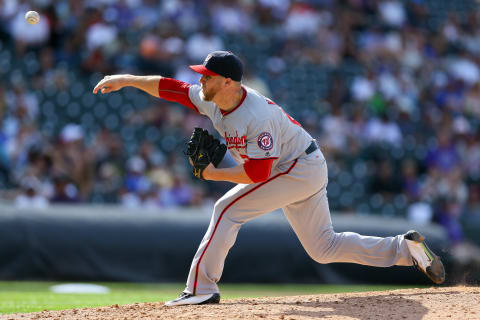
265	141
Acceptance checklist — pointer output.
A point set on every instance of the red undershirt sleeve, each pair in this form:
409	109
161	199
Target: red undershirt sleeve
258	170
176	91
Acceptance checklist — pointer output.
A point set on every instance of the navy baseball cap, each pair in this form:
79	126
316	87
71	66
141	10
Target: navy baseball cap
221	63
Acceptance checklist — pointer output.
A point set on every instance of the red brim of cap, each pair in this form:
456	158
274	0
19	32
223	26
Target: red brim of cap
200	68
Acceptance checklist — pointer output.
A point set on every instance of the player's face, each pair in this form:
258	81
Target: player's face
210	86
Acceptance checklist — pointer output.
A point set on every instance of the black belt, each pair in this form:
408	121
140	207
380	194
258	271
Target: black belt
312	147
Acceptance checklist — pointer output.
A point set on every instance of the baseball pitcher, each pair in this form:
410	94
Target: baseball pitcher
279	166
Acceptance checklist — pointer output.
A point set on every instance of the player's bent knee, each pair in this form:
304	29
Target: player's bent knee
219	205
322	255
321	258
322	251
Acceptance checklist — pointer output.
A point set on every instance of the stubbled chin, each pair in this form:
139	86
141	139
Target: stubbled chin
203	97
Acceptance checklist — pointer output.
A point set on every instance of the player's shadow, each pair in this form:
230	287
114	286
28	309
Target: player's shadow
381	306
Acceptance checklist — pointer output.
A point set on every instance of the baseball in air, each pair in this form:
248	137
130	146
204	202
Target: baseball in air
32	17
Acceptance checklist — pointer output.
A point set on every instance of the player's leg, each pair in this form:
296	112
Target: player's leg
240	204
207	265
310	219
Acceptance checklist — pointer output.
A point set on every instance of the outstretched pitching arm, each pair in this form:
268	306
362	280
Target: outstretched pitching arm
149	84
157	86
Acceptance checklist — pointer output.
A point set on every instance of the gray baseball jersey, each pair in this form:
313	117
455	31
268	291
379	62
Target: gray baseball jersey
257	128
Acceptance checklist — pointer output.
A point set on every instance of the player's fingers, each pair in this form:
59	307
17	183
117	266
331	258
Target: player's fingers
101	84
103	89
98	86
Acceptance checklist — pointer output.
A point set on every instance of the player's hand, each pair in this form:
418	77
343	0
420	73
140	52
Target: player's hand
207	171
111	84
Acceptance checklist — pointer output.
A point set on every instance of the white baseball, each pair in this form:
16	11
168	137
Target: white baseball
32	17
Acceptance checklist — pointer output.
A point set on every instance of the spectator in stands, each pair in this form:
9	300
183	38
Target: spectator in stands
444	156
232	16
72	159
411	187
302	20
335	128
184	14
30	196
363	87
64	190
152	156
383	130
178	195
252	80
153	56
384	180
200	44
135	179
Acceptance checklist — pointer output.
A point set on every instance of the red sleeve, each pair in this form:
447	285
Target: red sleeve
258	170
176	91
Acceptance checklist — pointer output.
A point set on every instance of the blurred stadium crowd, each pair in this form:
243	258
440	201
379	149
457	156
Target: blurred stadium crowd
390	89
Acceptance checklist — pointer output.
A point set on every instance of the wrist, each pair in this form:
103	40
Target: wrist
128	80
209	172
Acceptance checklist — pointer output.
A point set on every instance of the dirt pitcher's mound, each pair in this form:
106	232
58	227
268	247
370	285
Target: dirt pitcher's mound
433	303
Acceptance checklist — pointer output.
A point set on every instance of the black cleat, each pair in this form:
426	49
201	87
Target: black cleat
187	298
424	258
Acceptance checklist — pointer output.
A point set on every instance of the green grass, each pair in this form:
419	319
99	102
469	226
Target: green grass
23	297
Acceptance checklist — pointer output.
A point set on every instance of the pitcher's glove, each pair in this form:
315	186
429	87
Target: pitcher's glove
203	149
